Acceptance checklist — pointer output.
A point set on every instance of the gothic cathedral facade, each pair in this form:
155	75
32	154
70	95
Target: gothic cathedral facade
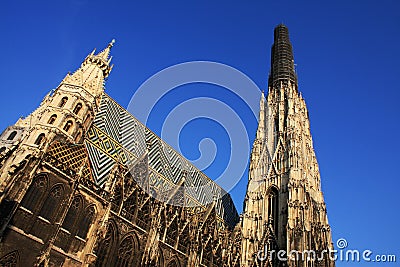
79	176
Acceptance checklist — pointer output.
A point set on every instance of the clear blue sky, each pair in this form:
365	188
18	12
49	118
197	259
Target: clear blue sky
347	56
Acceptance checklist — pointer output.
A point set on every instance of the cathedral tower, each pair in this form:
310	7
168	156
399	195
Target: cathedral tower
65	113
284	208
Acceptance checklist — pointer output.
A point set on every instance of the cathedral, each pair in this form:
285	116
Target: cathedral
84	183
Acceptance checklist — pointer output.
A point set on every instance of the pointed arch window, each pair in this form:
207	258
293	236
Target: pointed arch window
172	264
39	139
73	214
52	203
52	119
10	260
87	119
2	149
273	207
78	136
35	192
104	251
12	135
68	126
126	252
63	102
86	221
77	108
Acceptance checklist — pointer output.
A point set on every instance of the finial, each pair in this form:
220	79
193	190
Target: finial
111	43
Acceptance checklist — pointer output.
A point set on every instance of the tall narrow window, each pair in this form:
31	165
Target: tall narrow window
12	135
273	207
276	125
104	251
68	126
63	102
86	221
10	260
125	252
78	136
52	203
173	263
77	108
35	192
87	119
52	119
73	213
39	139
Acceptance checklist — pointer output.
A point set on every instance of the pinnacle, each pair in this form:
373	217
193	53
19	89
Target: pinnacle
105	53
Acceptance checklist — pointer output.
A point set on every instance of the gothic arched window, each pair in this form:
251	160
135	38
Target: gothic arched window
173	263
77	108
52	203
87	119
39	139
273	207
63	102
126	252
12	135
68	126
3	149
10	259
73	214
78	136
86	221
35	192
104	251
52	119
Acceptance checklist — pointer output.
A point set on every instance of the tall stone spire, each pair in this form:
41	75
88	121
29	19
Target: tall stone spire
284	208
93	71
282	61
105	54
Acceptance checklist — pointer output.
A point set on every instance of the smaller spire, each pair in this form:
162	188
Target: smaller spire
106	52
262	100
260	135
102	60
